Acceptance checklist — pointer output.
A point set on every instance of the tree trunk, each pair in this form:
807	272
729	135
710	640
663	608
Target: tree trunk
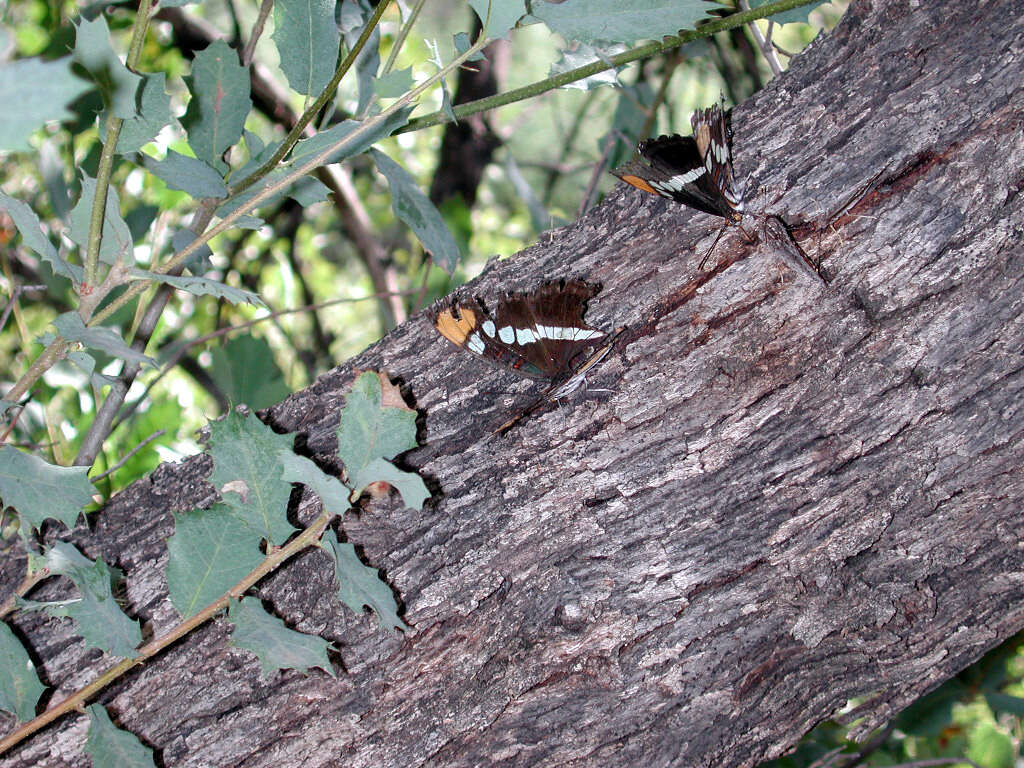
795	493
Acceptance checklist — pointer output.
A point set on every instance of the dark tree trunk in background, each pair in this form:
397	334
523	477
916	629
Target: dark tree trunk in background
794	494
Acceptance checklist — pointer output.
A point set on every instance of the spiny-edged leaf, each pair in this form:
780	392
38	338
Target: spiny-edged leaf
199	262
394	84
246	450
503	14
246	372
211	551
94	51
373	427
32	235
154	114
409	484
793	15
415	209
359	585
277	646
39	490
271	179
100	620
109	745
582	55
117	238
220	102
21	688
316	144
354	16
299	469
41	90
204	286
188	174
307	40
463	44
620	21
72	328
308	190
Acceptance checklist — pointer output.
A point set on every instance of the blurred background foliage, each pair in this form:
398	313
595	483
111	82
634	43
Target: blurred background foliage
337	275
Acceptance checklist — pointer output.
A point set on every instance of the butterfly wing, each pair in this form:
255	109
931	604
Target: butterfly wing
713	138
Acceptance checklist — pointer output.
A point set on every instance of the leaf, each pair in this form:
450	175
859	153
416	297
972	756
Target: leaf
299	469
187	174
211	551
800	14
582	55
410	485
246	371
204	286
307	40
220	103
154	114
991	747
307	191
200	260
394	84
620	21
360	585
354	15
277	646
94	51
503	15
99	618
21	689
42	90
463	44
247	450
32	235
415	209
1003	702
117	238
71	327
39	490
324	139
109	745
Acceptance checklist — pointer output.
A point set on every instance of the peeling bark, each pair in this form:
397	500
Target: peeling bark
796	494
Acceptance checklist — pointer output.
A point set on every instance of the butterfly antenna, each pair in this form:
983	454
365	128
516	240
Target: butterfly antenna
707	254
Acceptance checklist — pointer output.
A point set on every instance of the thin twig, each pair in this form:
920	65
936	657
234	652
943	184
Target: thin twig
402	34
764	44
128	456
257	30
595	177
18	290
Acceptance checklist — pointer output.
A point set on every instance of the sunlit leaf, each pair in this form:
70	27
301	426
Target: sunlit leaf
42	90
620	21
94	51
503	15
307	43
277	646
154	114
39	490
188	174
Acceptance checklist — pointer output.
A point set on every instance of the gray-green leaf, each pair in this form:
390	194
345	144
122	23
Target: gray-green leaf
117	238
324	139
93	50
154	114
298	469
503	14
204	286
394	84
581	56
307	42
32	235
109	745
277	646
794	15
415	209
188	174
359	585
220	102
620	21
21	689
42	90
71	327
39	490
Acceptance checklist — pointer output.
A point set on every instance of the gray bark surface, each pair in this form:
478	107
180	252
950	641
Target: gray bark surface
794	495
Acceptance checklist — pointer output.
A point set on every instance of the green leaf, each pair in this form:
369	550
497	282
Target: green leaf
307	40
220	103
353	19
211	551
620	21
794	15
188	174
409	484
93	50
109	745
117	238
324	139
204	286
42	90
71	327
394	84
582	55
32	235
989	746
415	209
359	585
247	471
100	620
21	689
307	191
1003	702
154	114
246	371
503	15
463	44
299	469
277	646
39	490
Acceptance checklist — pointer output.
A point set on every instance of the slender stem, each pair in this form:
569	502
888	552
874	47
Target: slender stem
257	30
128	456
55	352
402	34
307	117
641	52
30	580
763	43
74	702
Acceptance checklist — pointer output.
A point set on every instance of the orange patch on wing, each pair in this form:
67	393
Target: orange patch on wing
456	329
703	138
639	183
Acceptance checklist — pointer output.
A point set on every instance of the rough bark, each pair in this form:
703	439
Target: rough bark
795	494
